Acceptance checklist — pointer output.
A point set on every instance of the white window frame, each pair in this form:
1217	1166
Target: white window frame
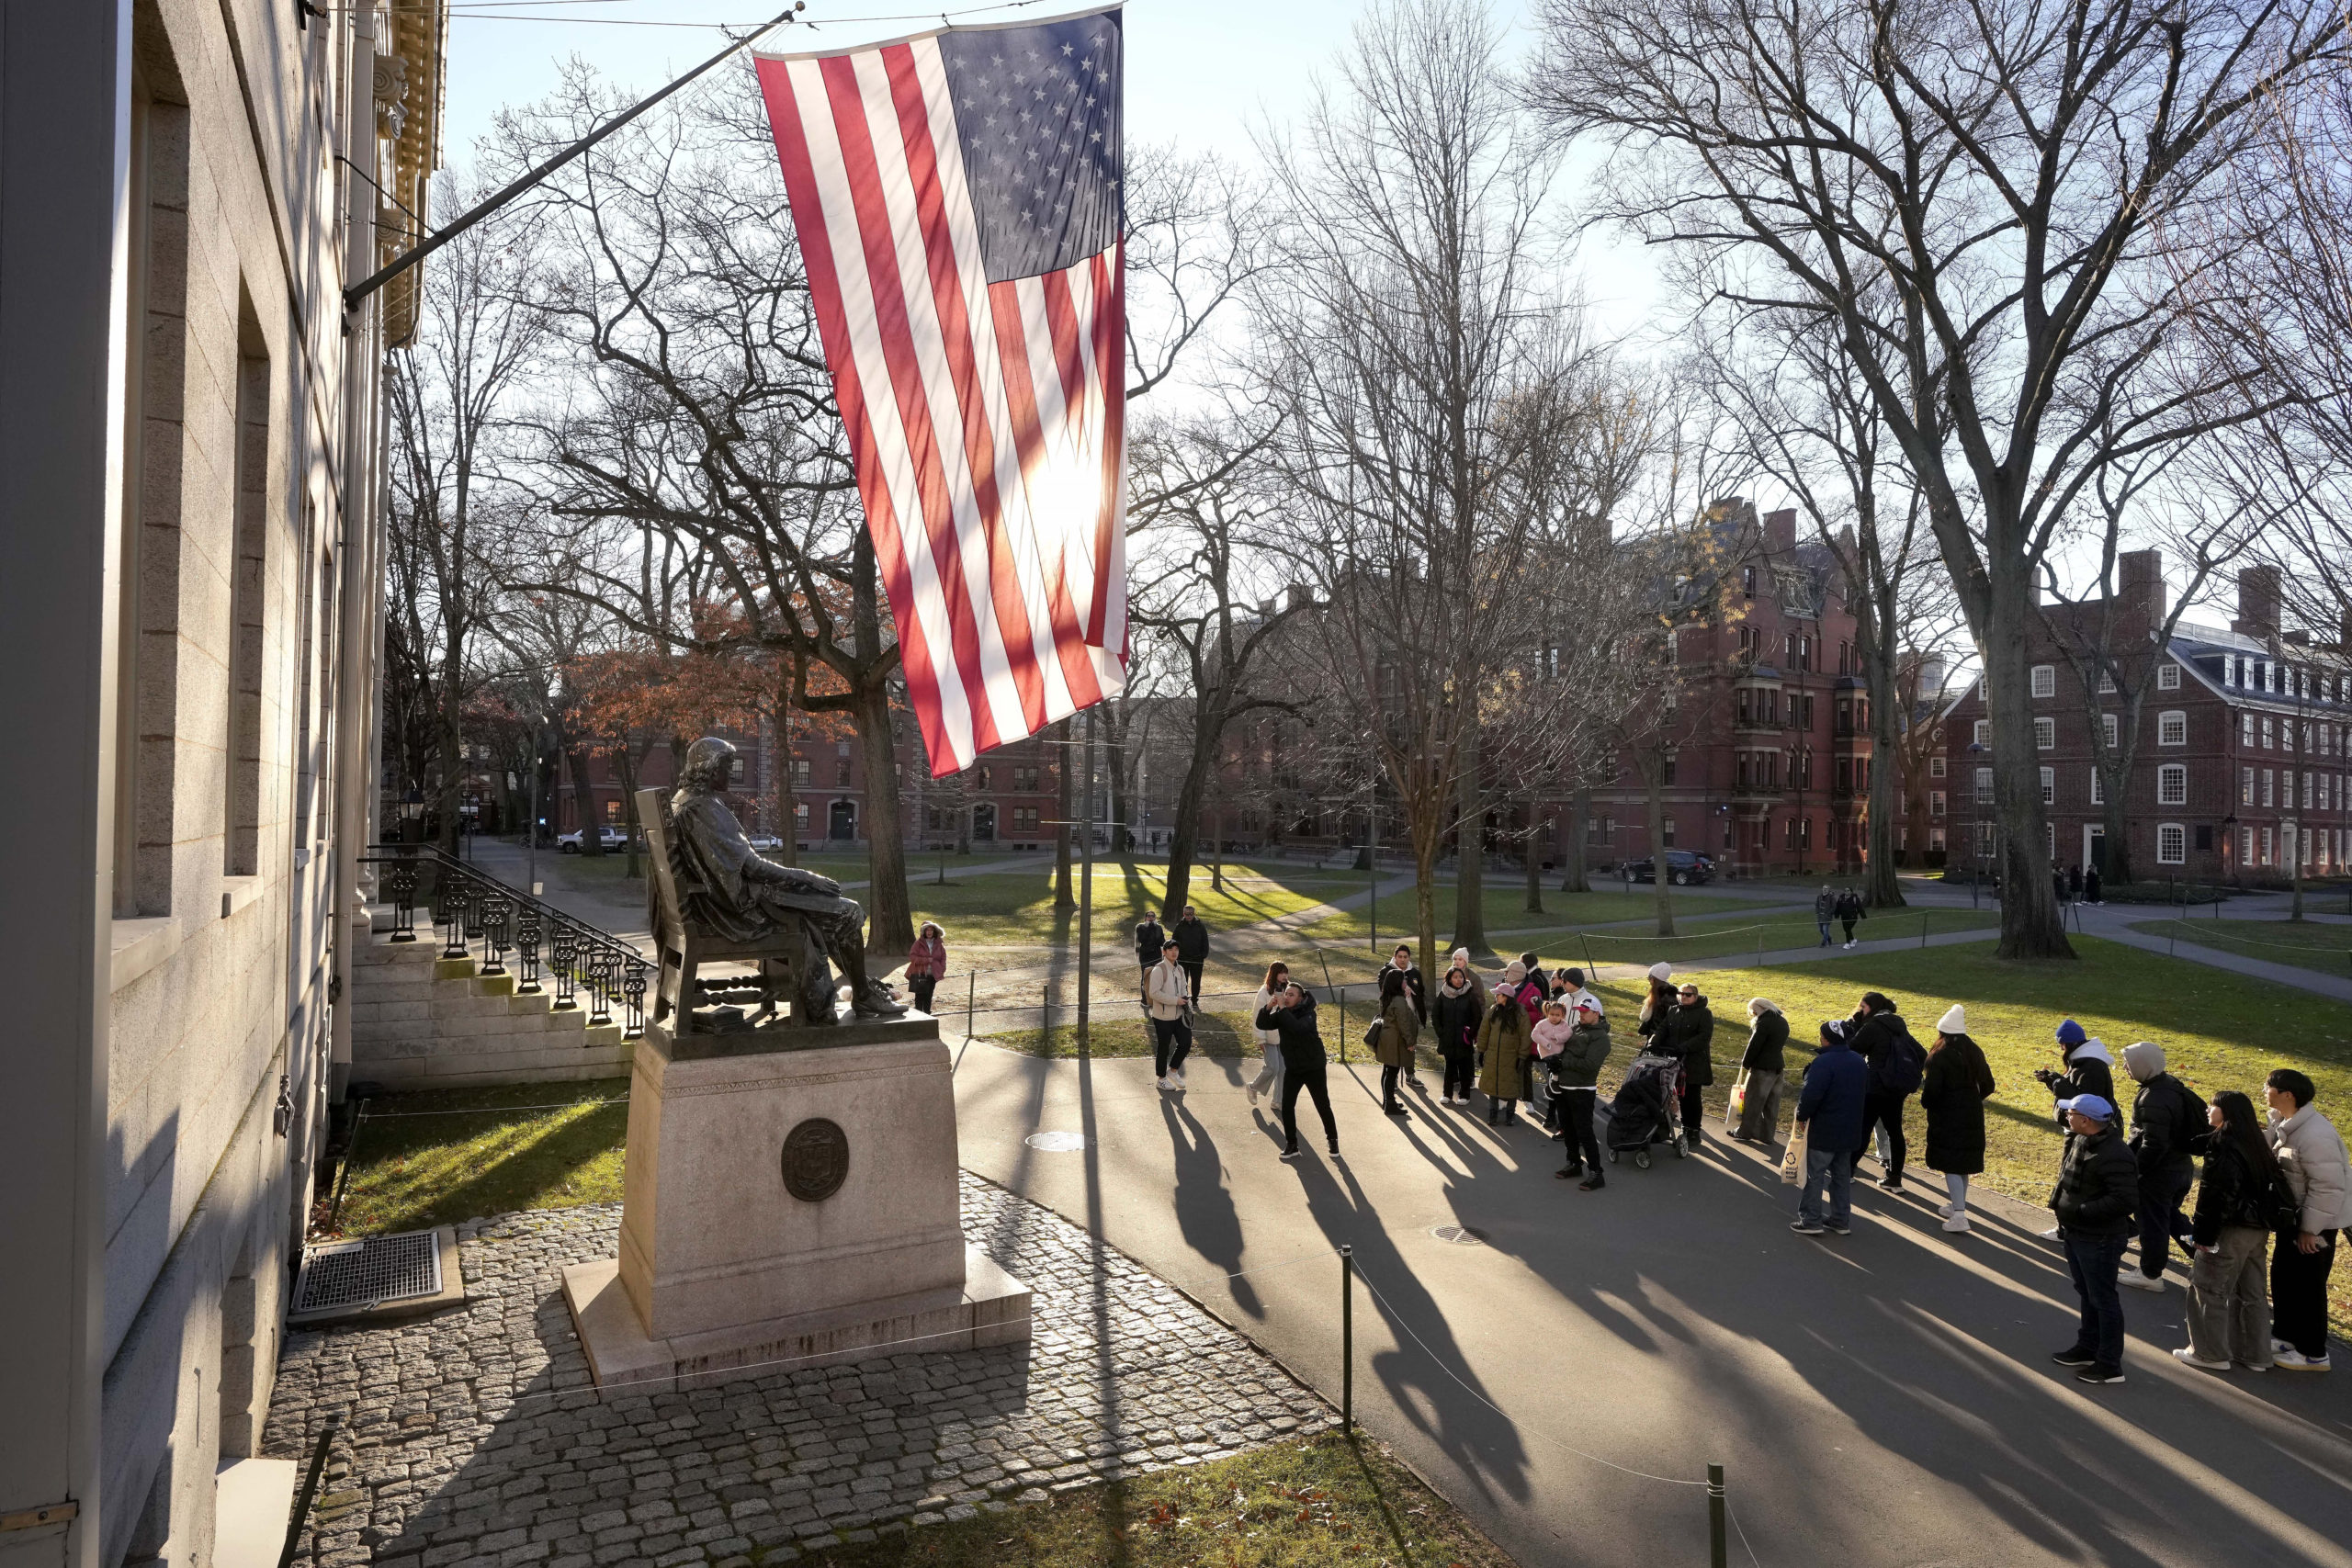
2045	735
2111	728
2168	676
2172	728
2246	786
2171	785
2046	680
1936	766
1984	732
1935	802
2172	844
2269	733
2049	786
2099	789
2107	682
1983	787
2269	788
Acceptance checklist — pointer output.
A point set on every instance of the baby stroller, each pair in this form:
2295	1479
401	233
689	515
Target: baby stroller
1647	1109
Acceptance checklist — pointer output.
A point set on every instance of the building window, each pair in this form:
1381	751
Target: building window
2171	785
800	772
1936	767
2110	730
2049	786
1024	820
800	816
1665	772
2106	683
1936	840
2269	788
1983	735
1935	802
2172	728
2168	676
1789	833
2245	846
1024	779
2172	843
2246	786
1669	832
2269	734
2307	790
2045	680
841	773
2245	729
2268	842
2098	788
1983	787
2045	734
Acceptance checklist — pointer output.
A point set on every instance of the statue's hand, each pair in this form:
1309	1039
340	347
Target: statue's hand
810	882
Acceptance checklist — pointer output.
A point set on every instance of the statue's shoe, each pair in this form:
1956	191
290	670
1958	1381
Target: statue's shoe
875	1001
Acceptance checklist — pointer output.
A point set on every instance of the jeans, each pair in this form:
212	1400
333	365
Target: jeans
1823	921
2161	1221
1461	1070
1576	1115
2298	1293
1884	1109
2095	1261
1171	1042
1311	1080
1268	1081
1830	1171
2229	1316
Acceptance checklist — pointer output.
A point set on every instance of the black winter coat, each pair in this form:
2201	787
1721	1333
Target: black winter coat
2087	1076
2166	1126
1689	1031
1191	941
1414	992
2098	1186
1302	1042
2231	1192
1876	1039
1455	1019
1953	1093
1766	1043
1149	940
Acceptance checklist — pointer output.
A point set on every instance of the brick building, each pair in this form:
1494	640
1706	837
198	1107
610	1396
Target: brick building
2241	772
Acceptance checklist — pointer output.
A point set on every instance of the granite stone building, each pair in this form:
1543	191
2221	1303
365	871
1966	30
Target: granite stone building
189	426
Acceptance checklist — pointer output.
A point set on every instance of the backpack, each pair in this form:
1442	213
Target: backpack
1903	1067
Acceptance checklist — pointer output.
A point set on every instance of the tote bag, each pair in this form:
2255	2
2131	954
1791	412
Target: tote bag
1793	1163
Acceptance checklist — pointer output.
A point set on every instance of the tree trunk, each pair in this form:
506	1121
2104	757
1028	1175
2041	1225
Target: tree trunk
1065	897
1470	860
1183	835
1579	823
1655	795
1114	766
1533	859
1882	889
626	763
787	825
1425	902
2031	921
890	917
592	834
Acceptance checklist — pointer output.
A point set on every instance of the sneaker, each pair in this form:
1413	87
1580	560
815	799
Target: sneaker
2294	1360
1335	1151
2074	1359
1289	1155
1947	1210
1956	1224
1570	1172
2187	1357
1837	1229
1394	1111
2254	1366
2053	1234
2280	1346
1592	1183
1806	1228
2139	1281
2101	1375
1164	1083
1890	1184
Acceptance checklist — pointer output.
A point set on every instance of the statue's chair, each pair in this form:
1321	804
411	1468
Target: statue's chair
787	959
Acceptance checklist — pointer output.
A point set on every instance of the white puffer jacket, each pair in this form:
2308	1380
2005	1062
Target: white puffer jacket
2310	1152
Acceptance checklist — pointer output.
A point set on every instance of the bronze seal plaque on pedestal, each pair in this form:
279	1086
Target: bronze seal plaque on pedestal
816	1159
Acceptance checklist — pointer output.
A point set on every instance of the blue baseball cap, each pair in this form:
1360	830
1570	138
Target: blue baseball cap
2088	1105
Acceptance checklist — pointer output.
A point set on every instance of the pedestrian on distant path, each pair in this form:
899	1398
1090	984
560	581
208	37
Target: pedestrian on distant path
1760	1069
1291	1018
1192	947
1952	1091
2091	891
2098	1182
1416	992
1400	1026
1268	1081
1150	937
1825	910
1576	1083
1829	1125
2240	1199
2074	883
1503	1039
1169	991
926	962
1849	909
2311	1156
2058	886
1455	1016
2169	1125
1688	1035
1897	1064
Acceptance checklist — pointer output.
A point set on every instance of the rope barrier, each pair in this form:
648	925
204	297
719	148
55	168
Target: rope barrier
2196	928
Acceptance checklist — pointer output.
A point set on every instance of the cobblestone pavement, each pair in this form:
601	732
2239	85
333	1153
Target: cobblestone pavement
468	1437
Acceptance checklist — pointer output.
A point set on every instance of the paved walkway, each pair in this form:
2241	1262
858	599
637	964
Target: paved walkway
1883	1399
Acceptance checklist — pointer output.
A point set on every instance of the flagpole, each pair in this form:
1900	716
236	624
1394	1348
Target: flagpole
353	296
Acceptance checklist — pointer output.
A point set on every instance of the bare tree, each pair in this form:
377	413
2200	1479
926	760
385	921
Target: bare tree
1974	198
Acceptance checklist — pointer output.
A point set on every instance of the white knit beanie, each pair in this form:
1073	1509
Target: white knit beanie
1661	971
1954	1021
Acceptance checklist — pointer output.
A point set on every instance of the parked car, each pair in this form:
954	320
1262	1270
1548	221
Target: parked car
764	841
1683	867
613	838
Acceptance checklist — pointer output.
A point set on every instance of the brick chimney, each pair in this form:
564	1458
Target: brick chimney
2140	584
1781	530
2258	602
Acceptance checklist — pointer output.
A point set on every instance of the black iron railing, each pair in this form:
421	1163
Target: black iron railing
510	932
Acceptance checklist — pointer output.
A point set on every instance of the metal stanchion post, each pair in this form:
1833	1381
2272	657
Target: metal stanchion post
971	995
1348	1340
1923	928
1718	1549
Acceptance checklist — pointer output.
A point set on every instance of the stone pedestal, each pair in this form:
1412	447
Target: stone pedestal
790	1200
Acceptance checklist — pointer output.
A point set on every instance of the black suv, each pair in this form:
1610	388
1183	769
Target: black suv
1683	867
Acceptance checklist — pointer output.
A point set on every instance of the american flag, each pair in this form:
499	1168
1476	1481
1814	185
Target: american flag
957	199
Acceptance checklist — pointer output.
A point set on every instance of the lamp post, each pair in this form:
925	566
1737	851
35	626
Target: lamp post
411	815
1976	840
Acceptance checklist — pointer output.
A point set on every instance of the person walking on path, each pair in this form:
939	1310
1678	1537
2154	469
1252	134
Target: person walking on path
1830	1126
1503	1038
1761	1069
1291	1018
2091	891
1416	992
1688	1035
1952	1091
1897	1064
2168	1126
1825	910
926	963
2237	1207
1849	909
2098	1182
2074	883
1268	1081
1576	1084
2311	1156
1192	947
1150	937
1400	1026
1168	991
1455	1016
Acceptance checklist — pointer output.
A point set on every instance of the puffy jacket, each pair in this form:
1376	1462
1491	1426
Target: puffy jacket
2099	1185
1849	907
927	956
1952	1092
1167	989
1767	1045
2167	1124
2231	1192
1877	1039
1548	1037
1578	1064
1502	1051
1399	1026
2311	1156
1149	940
1302	1042
1689	1033
1191	941
1830	1105
1414	989
2089	1070
1455	1017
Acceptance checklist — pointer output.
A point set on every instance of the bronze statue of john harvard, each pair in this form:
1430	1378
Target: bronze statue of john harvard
743	897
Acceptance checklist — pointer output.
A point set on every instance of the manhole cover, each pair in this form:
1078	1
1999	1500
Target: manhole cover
363	1273
1056	1142
1460	1235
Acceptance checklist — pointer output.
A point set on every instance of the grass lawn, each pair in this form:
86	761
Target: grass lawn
2219	1030
2307	944
1728	936
1323	1501
475	1154
999	909
1506	910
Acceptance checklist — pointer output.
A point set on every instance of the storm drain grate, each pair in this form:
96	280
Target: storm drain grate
364	1274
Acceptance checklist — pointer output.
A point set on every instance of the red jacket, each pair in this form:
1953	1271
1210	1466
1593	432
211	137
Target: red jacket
927	956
